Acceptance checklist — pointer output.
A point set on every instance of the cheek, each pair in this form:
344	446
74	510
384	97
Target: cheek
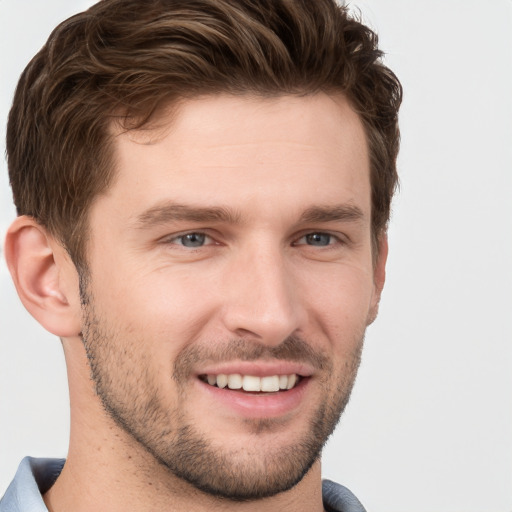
163	309
339	301
347	289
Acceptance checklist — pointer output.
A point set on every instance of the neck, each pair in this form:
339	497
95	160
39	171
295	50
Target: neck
105	487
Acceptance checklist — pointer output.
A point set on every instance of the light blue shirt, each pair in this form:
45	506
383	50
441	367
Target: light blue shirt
35	476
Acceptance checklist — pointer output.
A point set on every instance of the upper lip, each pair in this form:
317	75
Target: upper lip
258	368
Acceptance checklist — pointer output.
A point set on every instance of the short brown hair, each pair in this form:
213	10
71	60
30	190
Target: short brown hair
133	56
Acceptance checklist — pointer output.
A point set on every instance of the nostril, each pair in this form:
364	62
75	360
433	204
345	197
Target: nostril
246	334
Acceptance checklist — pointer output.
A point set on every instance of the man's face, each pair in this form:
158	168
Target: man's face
233	249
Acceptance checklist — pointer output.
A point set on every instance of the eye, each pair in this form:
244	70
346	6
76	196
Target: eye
192	240
317	239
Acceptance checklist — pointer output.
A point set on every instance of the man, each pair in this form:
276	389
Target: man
203	190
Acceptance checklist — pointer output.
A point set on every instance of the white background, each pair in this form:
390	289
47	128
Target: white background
429	427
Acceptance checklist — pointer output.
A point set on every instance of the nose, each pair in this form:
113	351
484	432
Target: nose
261	299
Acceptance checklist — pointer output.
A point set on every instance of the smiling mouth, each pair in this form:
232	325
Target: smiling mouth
251	383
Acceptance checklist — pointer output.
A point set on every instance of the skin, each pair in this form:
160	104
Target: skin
157	313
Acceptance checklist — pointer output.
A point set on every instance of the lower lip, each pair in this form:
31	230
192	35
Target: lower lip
258	405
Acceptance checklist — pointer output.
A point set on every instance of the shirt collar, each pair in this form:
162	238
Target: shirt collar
33	478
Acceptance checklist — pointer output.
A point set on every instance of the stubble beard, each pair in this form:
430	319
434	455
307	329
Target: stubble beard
130	395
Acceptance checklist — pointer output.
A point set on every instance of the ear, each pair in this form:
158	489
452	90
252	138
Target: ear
379	277
45	278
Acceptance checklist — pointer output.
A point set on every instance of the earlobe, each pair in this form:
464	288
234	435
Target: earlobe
44	277
379	277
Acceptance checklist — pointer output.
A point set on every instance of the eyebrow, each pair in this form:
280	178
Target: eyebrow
345	212
172	212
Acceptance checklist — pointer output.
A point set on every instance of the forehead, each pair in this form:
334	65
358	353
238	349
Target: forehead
241	149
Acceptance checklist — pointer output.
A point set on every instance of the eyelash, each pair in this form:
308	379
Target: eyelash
333	239
181	237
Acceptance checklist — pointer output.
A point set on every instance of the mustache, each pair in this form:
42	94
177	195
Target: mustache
293	349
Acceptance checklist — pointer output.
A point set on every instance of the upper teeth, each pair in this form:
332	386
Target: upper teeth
252	383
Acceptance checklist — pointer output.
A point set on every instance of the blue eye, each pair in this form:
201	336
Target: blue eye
318	239
192	240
